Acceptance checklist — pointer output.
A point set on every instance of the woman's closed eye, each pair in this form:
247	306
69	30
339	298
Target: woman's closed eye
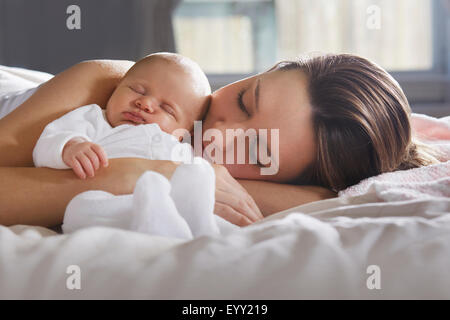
240	102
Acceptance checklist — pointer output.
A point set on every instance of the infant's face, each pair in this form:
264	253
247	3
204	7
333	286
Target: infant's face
157	92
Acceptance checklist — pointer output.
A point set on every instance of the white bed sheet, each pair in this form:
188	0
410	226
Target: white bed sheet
318	250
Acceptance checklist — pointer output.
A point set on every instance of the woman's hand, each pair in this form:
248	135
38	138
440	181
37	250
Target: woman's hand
233	202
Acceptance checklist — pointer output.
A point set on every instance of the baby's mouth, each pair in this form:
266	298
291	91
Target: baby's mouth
134	117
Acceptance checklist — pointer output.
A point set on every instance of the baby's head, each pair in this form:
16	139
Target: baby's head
163	88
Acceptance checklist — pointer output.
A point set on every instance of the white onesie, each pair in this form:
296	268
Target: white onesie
181	208
89	122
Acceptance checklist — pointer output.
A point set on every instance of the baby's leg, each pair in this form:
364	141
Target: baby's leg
154	211
193	188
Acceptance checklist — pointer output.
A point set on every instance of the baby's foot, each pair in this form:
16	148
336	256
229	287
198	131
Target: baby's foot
97	208
193	188
154	211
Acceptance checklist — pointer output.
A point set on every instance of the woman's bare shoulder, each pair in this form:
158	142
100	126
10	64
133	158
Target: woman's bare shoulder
105	67
87	82
94	71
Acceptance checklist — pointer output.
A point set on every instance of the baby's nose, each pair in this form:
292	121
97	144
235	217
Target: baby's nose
146	106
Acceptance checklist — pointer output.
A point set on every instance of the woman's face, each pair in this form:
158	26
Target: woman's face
271	100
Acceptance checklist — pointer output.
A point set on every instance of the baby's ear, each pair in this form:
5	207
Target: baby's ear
188	134
191	133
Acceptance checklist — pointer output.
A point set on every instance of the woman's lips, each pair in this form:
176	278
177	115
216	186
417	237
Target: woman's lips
134	117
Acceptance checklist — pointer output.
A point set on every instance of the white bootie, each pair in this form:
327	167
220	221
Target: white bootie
154	211
193	189
97	208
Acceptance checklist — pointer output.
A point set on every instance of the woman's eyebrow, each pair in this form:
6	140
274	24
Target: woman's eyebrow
256	94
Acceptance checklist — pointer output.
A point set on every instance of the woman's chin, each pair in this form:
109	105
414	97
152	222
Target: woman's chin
239	171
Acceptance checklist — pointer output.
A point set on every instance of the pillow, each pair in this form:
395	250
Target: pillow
16	79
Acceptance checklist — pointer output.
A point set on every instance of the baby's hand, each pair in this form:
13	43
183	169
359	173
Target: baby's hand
84	157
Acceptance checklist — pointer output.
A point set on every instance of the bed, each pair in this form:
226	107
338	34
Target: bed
384	238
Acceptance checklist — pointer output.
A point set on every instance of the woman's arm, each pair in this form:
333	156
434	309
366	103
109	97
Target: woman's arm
273	197
85	83
39	196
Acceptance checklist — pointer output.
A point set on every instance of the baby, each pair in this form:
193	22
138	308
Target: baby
166	90
161	93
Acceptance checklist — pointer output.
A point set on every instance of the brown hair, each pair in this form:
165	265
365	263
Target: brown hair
361	120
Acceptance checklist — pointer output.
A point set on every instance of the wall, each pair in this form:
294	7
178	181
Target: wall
33	34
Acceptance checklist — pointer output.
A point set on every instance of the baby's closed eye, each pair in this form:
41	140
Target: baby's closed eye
137	89
168	109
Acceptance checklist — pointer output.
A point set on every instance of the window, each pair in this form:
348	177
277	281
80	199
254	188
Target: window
387	32
231	39
227	36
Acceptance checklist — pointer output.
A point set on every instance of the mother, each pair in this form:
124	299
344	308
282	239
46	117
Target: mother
341	119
